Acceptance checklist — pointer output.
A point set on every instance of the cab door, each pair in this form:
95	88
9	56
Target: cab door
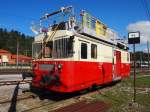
84	57
117	65
82	65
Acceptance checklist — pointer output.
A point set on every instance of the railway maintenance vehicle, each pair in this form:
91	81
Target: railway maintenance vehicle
72	53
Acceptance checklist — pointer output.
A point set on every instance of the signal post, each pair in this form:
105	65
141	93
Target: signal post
134	38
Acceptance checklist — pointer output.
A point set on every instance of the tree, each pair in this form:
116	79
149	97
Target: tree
8	41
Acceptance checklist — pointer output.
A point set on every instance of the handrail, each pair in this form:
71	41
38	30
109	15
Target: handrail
51	37
62	9
53	33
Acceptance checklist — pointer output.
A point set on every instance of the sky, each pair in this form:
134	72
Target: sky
120	15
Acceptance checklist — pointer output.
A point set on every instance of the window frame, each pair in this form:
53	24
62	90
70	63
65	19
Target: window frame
61	48
83	43
37	51
95	55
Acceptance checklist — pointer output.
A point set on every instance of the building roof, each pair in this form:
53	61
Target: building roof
4	51
21	57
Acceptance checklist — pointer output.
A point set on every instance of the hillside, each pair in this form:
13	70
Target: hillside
8	41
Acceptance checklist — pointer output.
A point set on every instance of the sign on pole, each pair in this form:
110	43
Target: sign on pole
134	38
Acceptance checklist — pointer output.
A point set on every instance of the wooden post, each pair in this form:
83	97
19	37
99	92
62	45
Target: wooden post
134	82
148	53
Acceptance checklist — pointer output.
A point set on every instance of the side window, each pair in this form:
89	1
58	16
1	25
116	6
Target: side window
128	57
83	50
94	51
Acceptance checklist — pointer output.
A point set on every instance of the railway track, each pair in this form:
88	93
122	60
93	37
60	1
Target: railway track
53	105
18	99
14	71
33	96
15	82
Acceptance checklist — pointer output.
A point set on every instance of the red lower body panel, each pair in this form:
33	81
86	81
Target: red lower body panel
77	75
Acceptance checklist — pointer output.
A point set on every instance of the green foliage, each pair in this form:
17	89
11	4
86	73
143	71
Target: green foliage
8	41
140	56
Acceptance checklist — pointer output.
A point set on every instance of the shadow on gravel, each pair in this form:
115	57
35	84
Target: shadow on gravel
55	96
12	107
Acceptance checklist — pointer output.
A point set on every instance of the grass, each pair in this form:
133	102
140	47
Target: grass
142	80
120	99
113	99
144	99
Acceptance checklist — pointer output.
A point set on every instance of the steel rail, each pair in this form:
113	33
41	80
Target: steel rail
18	99
15	82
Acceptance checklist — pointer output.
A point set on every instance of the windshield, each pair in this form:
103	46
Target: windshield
48	48
36	50
63	48
60	48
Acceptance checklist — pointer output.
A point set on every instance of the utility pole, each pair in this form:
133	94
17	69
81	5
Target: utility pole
134	81
17	52
148	52
141	60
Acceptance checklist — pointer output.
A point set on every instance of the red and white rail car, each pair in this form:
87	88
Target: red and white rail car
68	58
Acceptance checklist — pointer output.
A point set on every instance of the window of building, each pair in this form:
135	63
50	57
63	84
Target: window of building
94	51
83	50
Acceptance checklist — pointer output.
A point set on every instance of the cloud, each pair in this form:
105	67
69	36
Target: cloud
143	27
113	34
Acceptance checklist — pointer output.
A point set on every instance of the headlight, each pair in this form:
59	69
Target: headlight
59	66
